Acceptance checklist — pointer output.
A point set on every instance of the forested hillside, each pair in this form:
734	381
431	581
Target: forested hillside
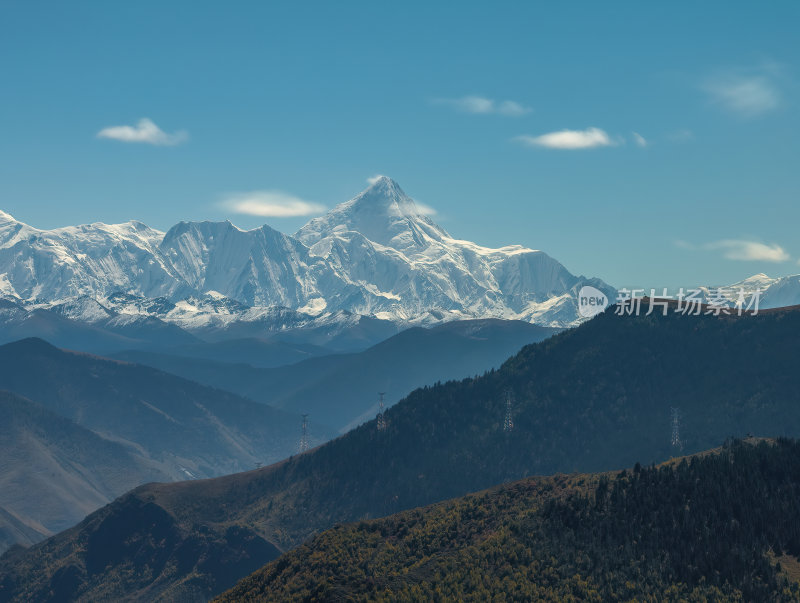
594	398
721	526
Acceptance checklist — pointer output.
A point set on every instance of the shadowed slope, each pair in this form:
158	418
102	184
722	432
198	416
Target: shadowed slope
590	399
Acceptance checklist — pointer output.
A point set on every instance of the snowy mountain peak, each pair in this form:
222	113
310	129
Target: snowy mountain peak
757	280
374	255
4	217
385	192
382	213
383	186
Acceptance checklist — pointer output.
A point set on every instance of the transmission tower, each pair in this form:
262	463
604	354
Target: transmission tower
381	418
676	428
304	435
508	421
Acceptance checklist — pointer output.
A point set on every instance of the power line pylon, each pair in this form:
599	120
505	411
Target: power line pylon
304	435
381	419
676	428
508	421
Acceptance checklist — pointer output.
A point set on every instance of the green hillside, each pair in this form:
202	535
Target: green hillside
710	527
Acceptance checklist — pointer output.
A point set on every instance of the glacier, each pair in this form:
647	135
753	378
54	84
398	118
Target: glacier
376	255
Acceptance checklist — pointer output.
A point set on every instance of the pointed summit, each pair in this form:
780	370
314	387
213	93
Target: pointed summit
381	180
383	194
383	213
4	217
385	186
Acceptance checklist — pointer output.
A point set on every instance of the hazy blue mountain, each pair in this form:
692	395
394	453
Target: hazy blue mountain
593	398
83	324
14	531
341	390
277	335
257	352
53	472
182	428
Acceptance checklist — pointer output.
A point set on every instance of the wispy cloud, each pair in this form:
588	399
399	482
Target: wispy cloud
680	136
640	140
145	132
736	249
424	210
741	250
569	139
746	92
270	204
485	106
375	178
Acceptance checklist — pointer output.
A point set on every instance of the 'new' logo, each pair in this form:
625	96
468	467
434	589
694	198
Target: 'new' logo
591	301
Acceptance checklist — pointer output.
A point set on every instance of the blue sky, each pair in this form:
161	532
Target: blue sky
517	122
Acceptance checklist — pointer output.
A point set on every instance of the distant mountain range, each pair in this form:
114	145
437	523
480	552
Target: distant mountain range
53	472
341	390
80	430
594	398
376	255
104	427
86	325
369	268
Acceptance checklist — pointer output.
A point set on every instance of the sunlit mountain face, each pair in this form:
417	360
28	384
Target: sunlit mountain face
375	255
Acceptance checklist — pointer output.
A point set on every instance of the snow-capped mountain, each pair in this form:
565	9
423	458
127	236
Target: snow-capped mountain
375	255
774	292
93	259
386	245
781	292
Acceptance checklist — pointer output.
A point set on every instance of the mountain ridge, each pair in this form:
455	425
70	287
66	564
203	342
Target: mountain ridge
375	255
340	390
622	535
578	402
55	472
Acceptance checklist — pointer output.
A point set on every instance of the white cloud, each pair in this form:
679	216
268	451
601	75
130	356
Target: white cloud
143	132
424	210
640	140
485	106
375	178
747	94
512	109
742	250
569	139
270	204
736	249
